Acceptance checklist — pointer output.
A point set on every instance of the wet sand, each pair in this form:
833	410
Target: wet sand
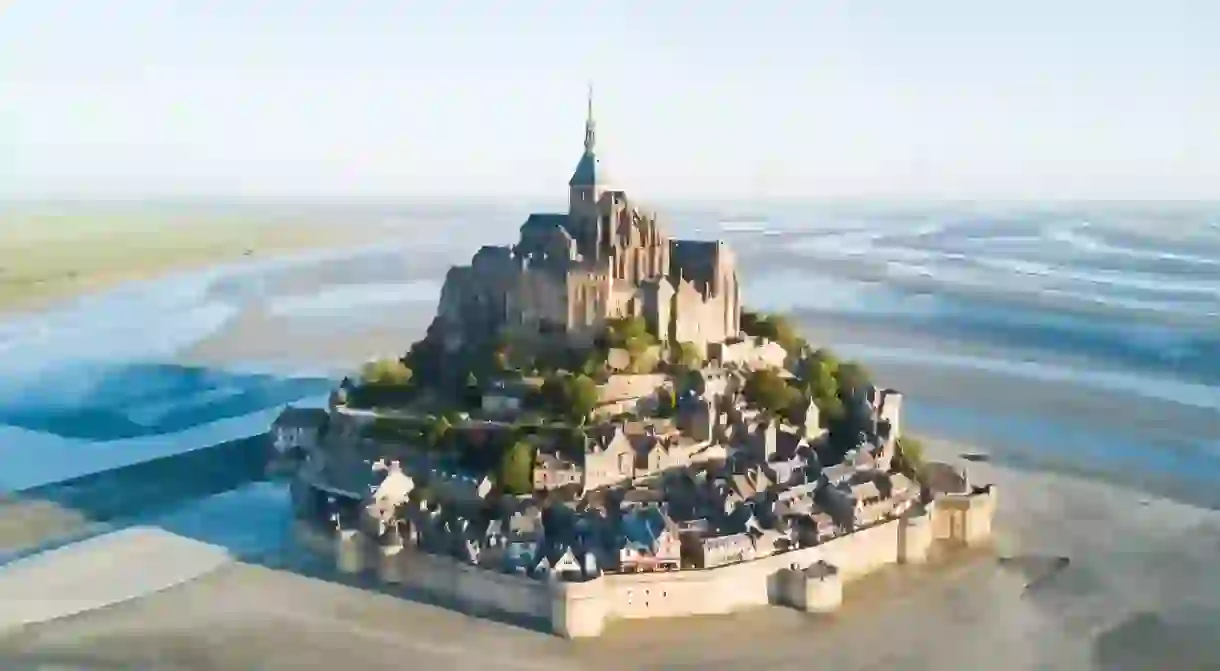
1134	595
52	258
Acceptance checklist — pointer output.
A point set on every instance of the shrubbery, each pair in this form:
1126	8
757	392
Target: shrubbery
909	457
386	372
572	397
516	471
773	327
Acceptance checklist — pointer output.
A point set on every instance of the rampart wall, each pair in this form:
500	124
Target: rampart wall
581	609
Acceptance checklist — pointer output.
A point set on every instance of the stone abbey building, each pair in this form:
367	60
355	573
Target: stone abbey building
603	259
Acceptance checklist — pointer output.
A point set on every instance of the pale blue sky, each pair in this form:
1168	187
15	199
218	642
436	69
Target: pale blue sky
1039	99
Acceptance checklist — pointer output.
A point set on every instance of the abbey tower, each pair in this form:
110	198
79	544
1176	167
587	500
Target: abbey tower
605	258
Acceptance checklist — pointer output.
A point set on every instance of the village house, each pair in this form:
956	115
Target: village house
882	496
711	551
749	352
649	541
564	562
298	429
523	535
506	398
459	487
717	383
389	494
609	458
813	529
552	471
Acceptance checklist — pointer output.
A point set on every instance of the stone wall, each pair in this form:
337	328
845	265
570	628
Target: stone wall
736	587
623	387
578	610
474	589
449	582
965	518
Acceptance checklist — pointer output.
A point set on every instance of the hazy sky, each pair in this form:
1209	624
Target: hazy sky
723	99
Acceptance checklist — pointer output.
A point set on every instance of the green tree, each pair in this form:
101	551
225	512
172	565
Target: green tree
385	372
667	402
817	377
687	356
572	441
631	334
909	457
766	389
621	331
516	473
554	390
852	377
572	397
437	430
773	327
594	362
581	398
643	360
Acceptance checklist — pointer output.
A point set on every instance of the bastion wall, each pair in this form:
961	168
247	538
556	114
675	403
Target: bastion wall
581	609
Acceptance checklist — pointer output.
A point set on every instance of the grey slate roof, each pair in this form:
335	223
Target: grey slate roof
588	171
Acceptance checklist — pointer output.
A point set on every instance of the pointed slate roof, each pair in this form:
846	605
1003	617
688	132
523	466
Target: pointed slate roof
588	171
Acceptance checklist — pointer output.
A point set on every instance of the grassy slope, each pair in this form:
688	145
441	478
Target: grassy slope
44	257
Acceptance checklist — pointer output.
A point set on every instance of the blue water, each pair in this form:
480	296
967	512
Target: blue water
1115	302
1130	296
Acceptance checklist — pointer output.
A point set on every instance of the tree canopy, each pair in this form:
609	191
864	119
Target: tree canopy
667	402
386	372
767	390
686	356
853	376
570	396
385	382
773	327
516	472
581	398
909	457
437	430
624	331
817	375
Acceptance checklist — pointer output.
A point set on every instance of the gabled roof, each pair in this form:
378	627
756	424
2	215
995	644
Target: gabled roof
297	417
642	528
544	220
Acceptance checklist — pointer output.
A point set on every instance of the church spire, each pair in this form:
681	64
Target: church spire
590	126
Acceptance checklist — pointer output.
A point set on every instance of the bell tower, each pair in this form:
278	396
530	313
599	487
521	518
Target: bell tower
586	186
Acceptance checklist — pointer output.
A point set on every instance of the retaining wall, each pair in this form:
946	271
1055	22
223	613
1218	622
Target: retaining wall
581	609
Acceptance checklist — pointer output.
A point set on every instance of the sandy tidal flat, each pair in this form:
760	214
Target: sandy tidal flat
1078	341
1133	595
48	257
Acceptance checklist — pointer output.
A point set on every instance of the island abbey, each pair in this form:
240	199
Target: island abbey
605	258
591	431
